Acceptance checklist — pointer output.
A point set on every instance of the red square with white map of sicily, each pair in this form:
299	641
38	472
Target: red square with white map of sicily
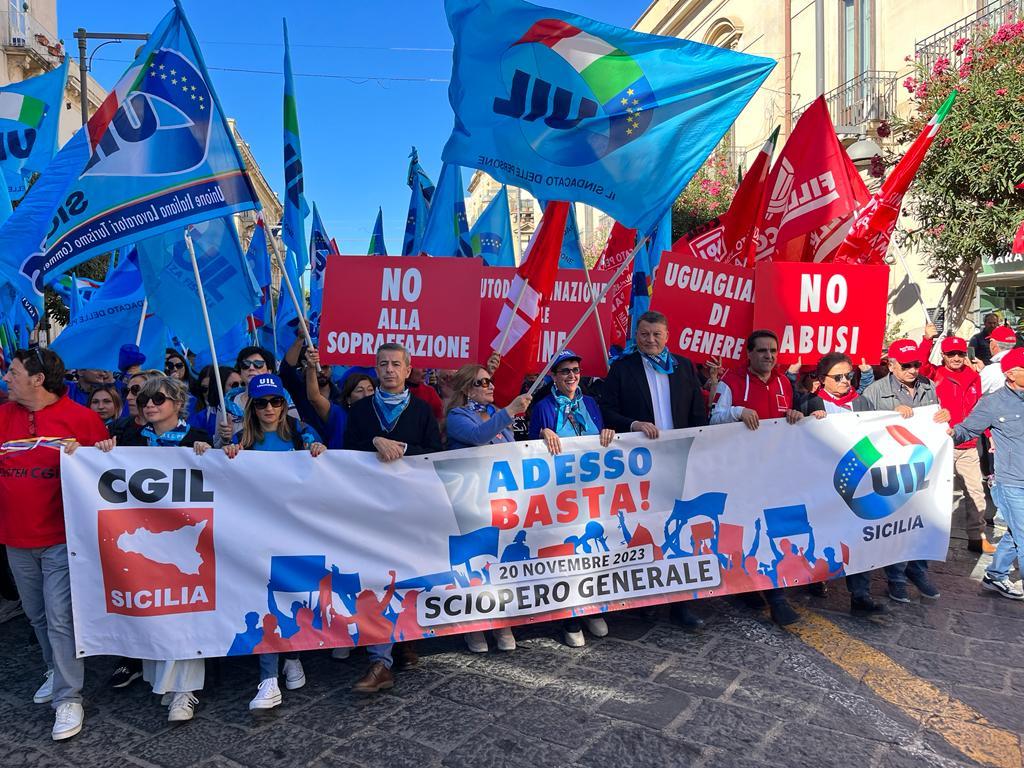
157	561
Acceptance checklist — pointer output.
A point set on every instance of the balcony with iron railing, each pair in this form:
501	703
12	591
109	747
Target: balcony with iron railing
23	32
933	47
868	98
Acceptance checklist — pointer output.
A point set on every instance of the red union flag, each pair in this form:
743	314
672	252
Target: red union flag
734	236
621	241
518	329
813	185
867	238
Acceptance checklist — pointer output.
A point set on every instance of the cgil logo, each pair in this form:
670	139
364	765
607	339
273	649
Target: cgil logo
152	485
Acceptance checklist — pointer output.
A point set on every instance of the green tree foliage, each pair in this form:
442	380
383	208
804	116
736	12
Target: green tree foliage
706	196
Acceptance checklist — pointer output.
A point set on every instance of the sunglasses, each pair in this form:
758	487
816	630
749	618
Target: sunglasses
568	372
484	382
174	366
134	389
838	377
911	364
158	399
955	353
262	402
255	364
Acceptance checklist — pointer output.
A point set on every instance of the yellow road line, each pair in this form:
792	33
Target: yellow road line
963	727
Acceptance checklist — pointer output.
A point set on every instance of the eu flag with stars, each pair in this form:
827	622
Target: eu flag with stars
491	235
573	109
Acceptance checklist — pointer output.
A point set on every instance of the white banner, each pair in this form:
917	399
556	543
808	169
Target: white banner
178	556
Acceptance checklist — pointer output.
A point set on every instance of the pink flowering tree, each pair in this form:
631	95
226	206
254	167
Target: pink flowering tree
706	196
965	201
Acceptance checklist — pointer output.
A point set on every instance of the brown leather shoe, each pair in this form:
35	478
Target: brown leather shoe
377	678
405	655
980	546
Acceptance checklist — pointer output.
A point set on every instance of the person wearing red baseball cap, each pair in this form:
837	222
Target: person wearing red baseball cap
1001	340
958	387
903	390
1002	412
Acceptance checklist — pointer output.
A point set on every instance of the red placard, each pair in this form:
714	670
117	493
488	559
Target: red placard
709	306
820	308
569	300
432	306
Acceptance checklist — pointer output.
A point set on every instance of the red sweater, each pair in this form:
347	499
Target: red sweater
958	391
31	507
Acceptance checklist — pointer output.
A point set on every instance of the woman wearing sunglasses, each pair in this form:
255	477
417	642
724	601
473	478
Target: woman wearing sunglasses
250	363
472	420
836	391
134	419
567	412
163	402
334	414
207	400
106	402
268	427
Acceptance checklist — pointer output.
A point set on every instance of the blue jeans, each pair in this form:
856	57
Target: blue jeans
382	653
898	573
268	664
1010	499
45	588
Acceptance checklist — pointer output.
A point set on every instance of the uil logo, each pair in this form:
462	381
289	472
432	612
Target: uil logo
161	127
886	469
563	82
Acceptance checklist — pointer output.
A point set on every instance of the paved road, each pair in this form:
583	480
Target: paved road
937	684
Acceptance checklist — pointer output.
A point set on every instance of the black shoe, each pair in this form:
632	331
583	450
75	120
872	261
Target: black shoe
752	600
818	588
783	613
126	673
865	606
683	617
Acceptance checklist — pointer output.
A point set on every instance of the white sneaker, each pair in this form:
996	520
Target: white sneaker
9	609
294	677
45	692
596	625
267	696
183	707
476	642
340	653
504	638
574	637
68	720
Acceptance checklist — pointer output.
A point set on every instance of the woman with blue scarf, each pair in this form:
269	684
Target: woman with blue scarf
473	420
163	404
567	412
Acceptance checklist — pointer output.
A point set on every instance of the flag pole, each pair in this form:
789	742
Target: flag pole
576	329
508	326
206	321
299	309
597	317
142	321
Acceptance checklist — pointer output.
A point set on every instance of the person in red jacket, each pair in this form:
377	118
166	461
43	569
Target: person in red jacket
35	425
958	387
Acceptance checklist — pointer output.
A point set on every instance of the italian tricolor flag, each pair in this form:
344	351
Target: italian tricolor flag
23	109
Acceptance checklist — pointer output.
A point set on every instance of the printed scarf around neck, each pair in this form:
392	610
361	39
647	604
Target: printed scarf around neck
573	415
663	363
476	407
169	438
390	407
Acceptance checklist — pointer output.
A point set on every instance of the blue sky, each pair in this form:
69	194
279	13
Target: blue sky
357	125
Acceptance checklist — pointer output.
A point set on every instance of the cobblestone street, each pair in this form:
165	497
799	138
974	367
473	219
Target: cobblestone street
925	685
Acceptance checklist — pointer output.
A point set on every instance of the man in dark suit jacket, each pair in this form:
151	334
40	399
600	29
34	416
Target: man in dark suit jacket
650	390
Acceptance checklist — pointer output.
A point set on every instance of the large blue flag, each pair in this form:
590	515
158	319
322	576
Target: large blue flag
293	224
29	118
93	337
259	264
228	283
228	346
645	264
157	155
319	249
447	231
377	246
422	192
491	235
574	109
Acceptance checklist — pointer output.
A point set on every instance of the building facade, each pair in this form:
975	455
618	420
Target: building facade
855	53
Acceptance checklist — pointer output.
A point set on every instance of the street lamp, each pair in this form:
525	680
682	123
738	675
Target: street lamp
83	67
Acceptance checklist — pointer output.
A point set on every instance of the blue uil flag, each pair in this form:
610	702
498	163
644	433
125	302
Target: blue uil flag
573	109
29	117
156	155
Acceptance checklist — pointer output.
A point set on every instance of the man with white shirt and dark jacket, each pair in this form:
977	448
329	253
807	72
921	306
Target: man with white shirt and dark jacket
649	390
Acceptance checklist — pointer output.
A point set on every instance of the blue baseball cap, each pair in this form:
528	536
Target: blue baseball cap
265	385
566	354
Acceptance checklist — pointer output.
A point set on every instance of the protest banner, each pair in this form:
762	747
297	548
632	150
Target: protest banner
171	559
431	306
570	298
820	308
709	306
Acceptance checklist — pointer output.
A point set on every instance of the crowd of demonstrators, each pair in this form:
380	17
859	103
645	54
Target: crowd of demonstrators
396	410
